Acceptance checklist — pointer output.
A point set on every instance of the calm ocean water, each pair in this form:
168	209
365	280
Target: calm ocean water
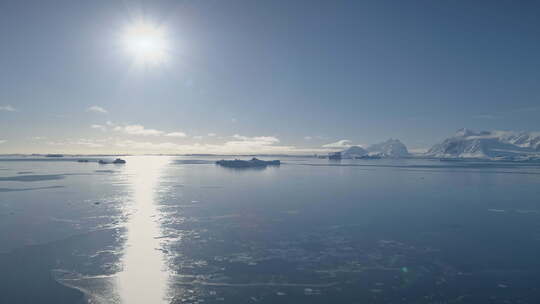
183	230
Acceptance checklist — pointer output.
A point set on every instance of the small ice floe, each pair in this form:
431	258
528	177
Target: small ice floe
116	161
32	178
280	293
62	220
311	292
252	163
502	285
497	210
526	211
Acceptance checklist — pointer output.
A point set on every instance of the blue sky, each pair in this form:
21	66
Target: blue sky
264	76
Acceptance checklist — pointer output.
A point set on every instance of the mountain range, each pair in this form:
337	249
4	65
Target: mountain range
488	144
465	143
392	148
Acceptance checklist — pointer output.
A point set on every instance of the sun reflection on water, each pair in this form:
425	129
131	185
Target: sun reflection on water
144	276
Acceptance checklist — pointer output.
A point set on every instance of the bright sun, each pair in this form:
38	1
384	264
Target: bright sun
147	43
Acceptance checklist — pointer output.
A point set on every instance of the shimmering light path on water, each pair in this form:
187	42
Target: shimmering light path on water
144	277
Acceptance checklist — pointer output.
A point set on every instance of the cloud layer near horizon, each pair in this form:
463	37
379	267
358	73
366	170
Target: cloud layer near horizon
137	138
7	108
235	144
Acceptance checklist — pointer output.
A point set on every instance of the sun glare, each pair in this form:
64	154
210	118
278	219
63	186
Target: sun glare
147	43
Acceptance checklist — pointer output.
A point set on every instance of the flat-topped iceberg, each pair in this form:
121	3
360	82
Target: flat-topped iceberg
116	161
252	163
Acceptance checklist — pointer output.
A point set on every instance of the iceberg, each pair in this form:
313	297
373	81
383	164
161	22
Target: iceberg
252	163
116	161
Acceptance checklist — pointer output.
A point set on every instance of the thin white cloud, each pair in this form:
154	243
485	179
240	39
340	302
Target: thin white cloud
138	130
176	134
2	141
236	145
8	108
255	144
308	138
211	134
344	143
485	116
262	140
526	109
198	137
148	146
97	109
241	145
99	127
89	143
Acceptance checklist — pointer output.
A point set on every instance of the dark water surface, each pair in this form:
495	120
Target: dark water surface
182	230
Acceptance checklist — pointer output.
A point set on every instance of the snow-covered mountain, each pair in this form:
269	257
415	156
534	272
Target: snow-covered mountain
488	144
392	148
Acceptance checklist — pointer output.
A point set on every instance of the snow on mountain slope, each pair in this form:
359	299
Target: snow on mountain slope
529	140
488	144
392	148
